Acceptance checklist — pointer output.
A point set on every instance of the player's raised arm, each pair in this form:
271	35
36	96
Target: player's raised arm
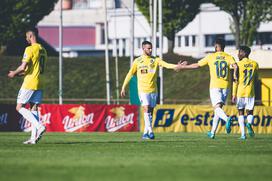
182	65
129	75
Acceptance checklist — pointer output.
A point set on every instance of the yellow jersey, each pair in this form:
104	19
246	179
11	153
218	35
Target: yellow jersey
35	56
219	65
146	68
247	75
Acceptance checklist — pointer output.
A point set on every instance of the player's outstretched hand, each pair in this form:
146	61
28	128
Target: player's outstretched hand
11	74
183	62
233	100
123	93
180	65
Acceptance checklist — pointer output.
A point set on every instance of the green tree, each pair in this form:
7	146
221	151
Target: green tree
176	15
246	17
18	15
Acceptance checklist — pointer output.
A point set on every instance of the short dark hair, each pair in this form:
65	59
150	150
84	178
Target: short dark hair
245	49
221	42
146	43
34	30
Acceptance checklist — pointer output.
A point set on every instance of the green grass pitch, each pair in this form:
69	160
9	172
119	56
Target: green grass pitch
125	157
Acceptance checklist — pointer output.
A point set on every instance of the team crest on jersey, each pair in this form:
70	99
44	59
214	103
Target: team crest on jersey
152	65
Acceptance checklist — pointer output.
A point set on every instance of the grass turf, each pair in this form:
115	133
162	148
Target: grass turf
124	156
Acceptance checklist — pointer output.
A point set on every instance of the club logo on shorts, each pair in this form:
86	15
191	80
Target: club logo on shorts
118	119
164	117
79	122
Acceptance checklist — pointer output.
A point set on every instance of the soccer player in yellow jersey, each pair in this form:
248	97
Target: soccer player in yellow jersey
219	65
146	69
32	68
243	89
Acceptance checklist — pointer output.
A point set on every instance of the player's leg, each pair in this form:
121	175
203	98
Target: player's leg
150	131
144	104
218	98
152	100
211	134
23	98
241	122
35	100
34	111
250	107
146	121
241	110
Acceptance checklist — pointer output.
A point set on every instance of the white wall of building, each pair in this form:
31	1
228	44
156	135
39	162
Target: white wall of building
119	32
210	21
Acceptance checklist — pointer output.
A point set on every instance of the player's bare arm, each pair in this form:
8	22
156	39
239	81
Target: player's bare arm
19	71
183	65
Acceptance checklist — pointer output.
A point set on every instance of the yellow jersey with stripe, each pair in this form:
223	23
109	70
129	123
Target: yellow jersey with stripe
35	56
219	64
247	76
146	69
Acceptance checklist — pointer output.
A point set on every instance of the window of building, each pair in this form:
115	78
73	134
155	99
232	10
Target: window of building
210	39
80	4
193	40
179	41
93	4
186	41
264	38
229	39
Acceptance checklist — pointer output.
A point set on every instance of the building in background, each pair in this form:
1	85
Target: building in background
83	28
83	31
197	38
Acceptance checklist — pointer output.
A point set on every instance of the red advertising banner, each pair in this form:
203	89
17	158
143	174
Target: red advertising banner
75	118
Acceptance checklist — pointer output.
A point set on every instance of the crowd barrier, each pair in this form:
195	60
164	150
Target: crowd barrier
198	118
74	118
